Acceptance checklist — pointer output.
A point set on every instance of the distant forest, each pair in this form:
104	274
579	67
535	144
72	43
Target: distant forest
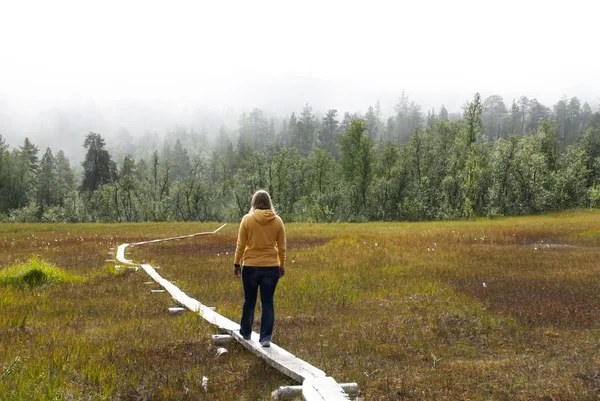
489	160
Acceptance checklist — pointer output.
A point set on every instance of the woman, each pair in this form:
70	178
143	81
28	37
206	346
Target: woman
261	249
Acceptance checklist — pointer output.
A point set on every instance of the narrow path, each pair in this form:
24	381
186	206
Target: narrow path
316	385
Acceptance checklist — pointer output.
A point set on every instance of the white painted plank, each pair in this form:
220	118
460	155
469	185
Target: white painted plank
121	254
322	389
179	237
286	392
121	248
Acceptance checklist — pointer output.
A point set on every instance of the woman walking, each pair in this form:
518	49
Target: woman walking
261	251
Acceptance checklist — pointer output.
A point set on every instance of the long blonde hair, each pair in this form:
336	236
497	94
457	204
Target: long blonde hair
261	200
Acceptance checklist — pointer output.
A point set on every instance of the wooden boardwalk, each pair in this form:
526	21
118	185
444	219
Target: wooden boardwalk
316	385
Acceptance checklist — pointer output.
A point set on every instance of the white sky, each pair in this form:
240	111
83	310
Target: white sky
218	52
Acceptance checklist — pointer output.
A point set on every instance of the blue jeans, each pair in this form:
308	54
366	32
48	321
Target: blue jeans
252	278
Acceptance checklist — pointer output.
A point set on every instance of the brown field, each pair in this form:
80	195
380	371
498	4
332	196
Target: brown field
399	308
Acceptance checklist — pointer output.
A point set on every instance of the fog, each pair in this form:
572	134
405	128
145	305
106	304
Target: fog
70	67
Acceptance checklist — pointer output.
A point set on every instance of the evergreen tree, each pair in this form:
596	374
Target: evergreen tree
245	130
30	152
443	114
402	123
494	111
270	139
46	180
372	124
573	119
523	106
415	117
328	133
259	129
65	178
586	116
292	131
378	118
180	161
389	136
345	124
515	118
223	140
537	113
98	168
22	183
431	118
560	113
128	183
305	133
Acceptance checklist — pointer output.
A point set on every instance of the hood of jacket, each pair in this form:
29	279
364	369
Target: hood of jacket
263	216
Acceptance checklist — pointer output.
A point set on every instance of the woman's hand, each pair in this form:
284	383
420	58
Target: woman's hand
237	270
281	271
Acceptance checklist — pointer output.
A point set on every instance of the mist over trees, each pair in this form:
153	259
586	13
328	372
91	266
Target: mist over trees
497	157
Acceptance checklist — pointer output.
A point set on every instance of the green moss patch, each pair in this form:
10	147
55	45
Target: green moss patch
35	273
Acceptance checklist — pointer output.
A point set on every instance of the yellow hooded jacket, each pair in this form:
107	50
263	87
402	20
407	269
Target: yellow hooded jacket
261	240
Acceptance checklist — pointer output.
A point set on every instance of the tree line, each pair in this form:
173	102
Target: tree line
488	161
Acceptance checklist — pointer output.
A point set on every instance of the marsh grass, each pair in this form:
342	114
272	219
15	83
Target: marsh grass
399	308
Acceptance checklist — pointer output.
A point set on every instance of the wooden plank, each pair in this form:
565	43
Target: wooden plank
179	237
121	254
289	392
121	248
221	339
322	388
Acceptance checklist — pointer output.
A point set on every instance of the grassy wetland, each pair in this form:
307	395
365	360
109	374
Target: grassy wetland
503	309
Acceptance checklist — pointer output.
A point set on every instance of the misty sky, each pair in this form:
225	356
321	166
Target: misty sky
279	55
